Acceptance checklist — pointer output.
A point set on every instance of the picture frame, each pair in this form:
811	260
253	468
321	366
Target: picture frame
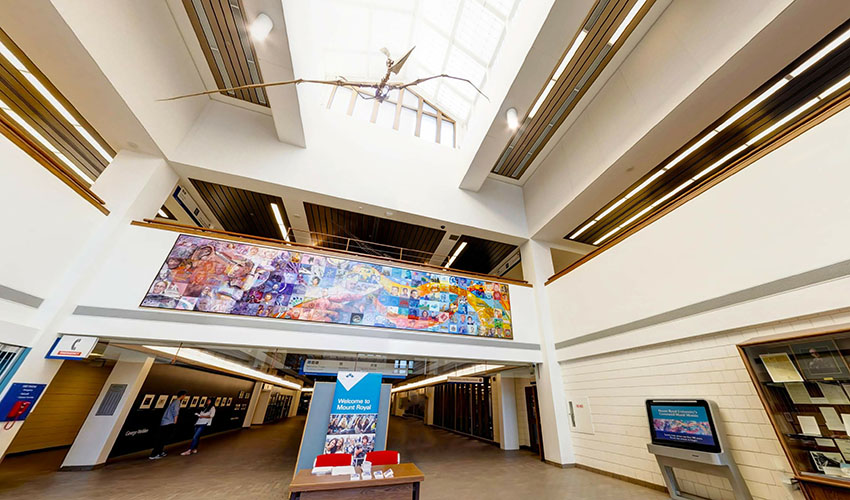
161	401
823	459
185	402
780	367
194	402
229	400
820	360
203	401
217	402
147	401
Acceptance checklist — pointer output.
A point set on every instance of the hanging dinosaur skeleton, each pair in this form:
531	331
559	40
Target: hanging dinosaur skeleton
381	88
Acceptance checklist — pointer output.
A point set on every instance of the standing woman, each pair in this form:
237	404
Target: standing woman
205	418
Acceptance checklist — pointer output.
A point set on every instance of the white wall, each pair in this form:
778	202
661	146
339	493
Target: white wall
126	275
687	44
45	223
777	218
350	160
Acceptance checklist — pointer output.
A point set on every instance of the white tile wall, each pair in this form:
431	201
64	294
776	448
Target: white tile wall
617	384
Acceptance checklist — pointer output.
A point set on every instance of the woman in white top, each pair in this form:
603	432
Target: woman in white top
205	418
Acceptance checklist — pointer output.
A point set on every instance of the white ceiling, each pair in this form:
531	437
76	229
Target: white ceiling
460	37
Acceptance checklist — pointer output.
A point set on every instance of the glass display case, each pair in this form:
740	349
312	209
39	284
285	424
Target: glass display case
804	384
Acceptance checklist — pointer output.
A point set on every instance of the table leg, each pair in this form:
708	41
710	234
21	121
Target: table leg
415	491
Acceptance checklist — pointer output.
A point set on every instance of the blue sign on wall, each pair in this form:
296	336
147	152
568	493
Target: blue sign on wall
19	400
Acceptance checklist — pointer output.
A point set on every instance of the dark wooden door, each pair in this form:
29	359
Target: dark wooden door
533	411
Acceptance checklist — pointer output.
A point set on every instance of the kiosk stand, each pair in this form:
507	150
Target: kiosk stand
686	436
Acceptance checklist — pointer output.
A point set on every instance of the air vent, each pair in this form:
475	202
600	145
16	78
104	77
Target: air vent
454	237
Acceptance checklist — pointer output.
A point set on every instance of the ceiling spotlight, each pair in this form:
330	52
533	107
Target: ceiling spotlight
261	27
513	121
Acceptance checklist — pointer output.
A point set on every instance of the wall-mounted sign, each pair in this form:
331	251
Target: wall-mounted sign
72	347
465	380
202	274
19	400
398	368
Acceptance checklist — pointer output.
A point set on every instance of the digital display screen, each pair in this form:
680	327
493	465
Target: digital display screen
686	424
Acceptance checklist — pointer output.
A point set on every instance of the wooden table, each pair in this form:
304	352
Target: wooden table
405	481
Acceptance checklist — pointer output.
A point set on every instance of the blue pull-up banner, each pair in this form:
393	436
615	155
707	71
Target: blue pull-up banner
354	414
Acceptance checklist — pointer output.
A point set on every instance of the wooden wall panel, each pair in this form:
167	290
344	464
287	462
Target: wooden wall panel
63	408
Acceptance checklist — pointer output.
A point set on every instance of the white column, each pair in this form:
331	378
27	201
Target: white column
554	419
98	434
252	405
134	187
429	408
506	408
296	398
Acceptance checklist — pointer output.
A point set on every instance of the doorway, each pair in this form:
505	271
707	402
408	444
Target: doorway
533	409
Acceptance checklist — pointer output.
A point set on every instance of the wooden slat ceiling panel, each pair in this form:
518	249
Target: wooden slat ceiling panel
480	256
224	22
242	211
379	236
796	92
586	65
23	98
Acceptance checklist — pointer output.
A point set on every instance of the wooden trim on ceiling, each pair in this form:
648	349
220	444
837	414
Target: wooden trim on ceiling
784	137
46	160
199	231
531	130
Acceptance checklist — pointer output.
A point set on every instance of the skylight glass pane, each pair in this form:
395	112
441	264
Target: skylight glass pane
440	13
457	107
363	109
407	121
447	134
427	108
386	114
503	7
430	53
342	98
428	129
460	63
411	100
479	31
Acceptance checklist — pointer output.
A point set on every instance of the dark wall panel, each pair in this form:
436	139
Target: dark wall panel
140	428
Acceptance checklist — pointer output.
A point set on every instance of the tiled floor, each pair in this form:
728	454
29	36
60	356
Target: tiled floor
258	464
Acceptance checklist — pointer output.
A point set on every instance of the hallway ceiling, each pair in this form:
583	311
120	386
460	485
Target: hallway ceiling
242	211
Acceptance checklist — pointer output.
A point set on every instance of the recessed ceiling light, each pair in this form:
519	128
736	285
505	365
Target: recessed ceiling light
513	121
261	27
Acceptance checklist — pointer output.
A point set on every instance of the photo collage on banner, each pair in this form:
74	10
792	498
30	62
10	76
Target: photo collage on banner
354	415
203	274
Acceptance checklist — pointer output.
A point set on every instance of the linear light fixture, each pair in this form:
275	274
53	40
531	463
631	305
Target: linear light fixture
306	389
44	142
41	89
277	217
801	68
454	255
463	372
628	19
558	72
207	359
162	213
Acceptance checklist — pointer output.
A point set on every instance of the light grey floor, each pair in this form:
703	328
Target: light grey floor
258	464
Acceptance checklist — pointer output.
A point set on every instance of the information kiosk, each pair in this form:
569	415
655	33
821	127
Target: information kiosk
685	435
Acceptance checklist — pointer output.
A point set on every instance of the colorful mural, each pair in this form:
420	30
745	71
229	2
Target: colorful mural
202	274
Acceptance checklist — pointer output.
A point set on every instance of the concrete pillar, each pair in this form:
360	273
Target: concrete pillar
506	410
554	419
134	187
98	434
